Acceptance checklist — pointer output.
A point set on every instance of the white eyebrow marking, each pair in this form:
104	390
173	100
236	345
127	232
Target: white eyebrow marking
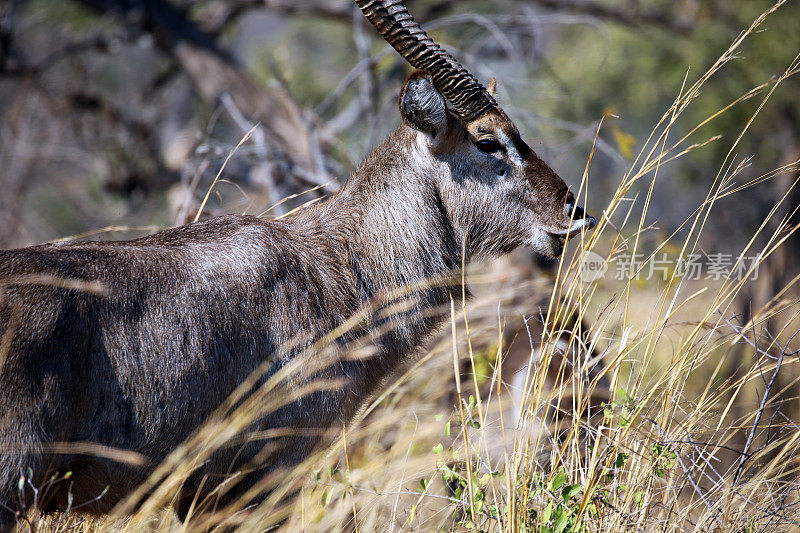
511	150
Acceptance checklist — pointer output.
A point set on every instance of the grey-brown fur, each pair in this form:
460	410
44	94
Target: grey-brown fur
190	312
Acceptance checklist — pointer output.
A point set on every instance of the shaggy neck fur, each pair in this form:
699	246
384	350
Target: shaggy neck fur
395	233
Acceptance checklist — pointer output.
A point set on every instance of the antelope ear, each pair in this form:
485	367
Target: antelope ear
422	106
492	87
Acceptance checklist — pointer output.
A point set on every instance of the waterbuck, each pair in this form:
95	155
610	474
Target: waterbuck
132	344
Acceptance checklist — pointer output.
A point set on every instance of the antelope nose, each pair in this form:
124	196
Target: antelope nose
574	211
580	220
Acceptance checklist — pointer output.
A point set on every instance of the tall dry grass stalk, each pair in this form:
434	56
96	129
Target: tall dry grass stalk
666	452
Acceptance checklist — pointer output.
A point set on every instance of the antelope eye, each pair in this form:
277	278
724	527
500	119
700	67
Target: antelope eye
488	145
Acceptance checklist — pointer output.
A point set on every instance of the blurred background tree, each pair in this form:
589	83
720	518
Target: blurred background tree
120	112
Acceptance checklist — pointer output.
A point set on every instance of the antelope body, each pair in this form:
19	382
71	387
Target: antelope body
185	315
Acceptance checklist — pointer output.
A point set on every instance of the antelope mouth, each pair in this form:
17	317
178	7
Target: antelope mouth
575	228
559	238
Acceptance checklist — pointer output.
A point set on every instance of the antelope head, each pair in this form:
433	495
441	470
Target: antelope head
497	192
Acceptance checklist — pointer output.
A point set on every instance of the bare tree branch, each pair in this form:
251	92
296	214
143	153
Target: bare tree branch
219	13
624	16
214	73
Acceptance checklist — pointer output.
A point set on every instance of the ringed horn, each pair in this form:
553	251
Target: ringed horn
467	97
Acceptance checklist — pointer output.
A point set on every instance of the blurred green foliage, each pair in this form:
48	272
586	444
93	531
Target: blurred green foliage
637	72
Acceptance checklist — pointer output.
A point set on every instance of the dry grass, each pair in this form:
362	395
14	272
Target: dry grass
683	444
